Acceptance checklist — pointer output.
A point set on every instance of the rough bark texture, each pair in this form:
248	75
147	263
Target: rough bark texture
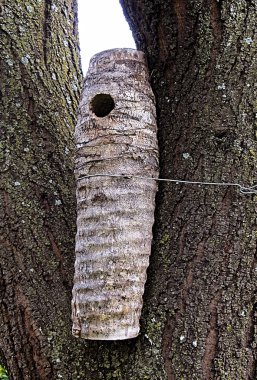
115	215
40	85
202	278
200	308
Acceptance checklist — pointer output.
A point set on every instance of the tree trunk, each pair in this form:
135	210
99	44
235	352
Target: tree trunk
200	303
200	310
40	83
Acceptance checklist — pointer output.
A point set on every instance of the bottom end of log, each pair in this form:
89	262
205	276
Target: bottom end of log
121	334
116	333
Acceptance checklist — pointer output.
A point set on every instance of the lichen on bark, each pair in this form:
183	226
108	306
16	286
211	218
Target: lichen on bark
199	315
40	86
202	59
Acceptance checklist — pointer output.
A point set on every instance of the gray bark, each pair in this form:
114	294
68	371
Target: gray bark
199	314
202	278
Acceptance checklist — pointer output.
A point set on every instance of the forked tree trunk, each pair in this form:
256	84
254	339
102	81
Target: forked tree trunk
199	316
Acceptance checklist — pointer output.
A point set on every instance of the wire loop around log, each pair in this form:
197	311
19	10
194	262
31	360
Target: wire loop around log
243	189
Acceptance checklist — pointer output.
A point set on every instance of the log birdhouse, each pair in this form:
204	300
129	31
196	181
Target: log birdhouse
116	142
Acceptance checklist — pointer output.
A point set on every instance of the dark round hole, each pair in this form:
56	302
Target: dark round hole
102	104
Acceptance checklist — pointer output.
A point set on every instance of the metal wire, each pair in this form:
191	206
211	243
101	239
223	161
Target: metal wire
243	189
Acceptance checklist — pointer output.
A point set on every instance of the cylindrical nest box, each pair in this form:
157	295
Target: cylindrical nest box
116	141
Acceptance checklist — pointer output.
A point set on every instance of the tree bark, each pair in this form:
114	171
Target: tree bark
40	85
200	310
202	279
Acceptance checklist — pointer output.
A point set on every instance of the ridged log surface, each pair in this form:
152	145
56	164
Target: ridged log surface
115	215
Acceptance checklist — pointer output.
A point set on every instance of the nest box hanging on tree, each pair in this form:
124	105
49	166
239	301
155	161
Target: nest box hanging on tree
115	135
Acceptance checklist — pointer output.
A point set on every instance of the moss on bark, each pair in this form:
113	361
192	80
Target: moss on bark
203	270
199	315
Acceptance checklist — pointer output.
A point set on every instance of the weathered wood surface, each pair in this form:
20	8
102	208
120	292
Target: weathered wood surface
115	215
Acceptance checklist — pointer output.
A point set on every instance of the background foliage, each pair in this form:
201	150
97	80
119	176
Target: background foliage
3	373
